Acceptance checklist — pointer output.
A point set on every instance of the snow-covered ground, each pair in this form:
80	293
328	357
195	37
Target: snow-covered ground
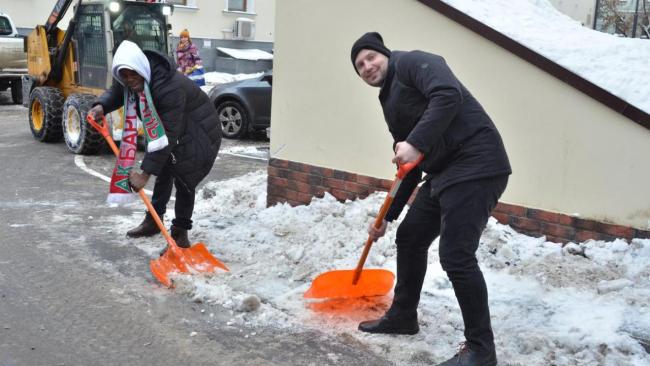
584	304
619	65
253	152
216	78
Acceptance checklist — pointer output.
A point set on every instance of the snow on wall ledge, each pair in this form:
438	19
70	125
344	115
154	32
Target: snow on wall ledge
608	68
297	183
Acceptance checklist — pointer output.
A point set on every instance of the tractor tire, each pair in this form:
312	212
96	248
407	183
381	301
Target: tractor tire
79	135
45	111
17	91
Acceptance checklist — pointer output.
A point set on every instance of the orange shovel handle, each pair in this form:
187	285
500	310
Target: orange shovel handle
403	170
103	129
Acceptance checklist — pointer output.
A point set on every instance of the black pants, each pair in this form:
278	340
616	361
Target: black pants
162	192
458	214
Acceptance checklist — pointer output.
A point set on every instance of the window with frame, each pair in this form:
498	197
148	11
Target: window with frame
237	5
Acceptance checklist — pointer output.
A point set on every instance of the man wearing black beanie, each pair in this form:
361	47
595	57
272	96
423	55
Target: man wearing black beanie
369	41
429	112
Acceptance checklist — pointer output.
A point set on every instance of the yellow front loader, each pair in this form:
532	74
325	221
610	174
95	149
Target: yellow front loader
68	69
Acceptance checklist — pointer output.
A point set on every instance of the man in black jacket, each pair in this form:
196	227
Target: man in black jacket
428	111
190	124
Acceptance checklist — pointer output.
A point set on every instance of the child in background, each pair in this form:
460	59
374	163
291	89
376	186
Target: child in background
188	60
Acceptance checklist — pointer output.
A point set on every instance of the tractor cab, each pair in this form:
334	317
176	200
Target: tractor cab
101	28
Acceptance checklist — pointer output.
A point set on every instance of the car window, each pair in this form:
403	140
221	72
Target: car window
5	26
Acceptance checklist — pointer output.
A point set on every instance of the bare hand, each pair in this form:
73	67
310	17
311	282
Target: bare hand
138	180
96	112
375	233
405	153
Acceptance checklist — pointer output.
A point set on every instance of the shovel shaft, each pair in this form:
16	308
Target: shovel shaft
403	170
378	222
103	129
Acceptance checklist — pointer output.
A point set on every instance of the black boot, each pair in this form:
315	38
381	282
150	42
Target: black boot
389	324
469	357
180	237
148	227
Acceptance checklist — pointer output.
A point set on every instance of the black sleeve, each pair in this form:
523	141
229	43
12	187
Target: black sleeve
112	99
432	77
170	105
404	193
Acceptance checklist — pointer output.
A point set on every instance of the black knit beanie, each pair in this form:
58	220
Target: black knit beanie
371	41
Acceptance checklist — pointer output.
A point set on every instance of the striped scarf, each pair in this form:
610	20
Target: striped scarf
120	189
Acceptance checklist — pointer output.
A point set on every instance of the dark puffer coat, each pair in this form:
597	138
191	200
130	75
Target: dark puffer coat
425	105
190	121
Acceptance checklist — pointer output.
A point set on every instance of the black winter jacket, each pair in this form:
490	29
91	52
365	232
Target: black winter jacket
425	105
190	122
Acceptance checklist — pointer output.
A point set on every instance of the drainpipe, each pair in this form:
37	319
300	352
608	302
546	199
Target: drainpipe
636	17
596	13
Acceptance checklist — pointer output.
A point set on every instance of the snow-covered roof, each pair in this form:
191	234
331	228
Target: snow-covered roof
618	65
246	54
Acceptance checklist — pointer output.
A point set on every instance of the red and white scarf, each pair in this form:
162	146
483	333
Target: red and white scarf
120	189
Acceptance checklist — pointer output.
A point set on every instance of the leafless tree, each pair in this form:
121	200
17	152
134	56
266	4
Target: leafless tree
621	17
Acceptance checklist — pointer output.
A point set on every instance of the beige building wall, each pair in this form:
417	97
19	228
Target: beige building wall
29	13
203	18
210	19
569	153
580	10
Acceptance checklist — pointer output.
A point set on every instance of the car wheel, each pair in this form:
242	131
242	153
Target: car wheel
233	119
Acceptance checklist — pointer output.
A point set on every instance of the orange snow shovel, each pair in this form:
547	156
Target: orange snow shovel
361	282
195	259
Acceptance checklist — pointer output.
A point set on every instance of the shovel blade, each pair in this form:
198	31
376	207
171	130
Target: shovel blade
338	284
201	260
195	259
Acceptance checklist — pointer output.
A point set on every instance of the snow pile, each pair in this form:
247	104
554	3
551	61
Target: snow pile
214	78
616	64
246	151
584	304
246	54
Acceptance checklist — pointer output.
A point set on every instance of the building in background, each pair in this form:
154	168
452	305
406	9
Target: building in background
219	26
213	25
627	18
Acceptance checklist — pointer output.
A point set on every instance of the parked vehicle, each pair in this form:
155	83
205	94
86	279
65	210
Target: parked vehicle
13	59
243	106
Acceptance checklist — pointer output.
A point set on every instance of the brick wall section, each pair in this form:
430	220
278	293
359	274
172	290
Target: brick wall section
562	228
296	184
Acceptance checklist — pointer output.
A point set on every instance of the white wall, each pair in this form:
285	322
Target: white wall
580	10
569	153
29	13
